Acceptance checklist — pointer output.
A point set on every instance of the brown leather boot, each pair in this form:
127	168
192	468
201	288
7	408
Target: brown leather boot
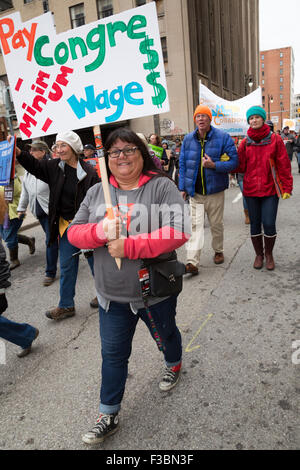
27	241
259	250
14	261
191	269
247	220
269	245
60	313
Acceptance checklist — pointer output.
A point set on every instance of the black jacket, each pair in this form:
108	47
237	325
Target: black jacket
4	269
52	173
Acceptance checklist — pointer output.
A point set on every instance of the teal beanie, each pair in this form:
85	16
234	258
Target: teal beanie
256	110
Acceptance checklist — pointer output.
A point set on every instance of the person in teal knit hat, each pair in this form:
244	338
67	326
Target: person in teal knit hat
258	111
263	160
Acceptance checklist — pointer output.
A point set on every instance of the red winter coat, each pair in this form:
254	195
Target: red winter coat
254	162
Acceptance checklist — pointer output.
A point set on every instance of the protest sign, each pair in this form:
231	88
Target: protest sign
229	115
106	71
291	123
7	161
158	151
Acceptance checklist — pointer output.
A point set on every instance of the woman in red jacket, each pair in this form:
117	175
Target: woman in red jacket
256	152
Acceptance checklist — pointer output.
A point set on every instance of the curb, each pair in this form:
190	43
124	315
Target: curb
28	226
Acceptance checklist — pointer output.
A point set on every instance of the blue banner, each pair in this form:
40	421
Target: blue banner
6	160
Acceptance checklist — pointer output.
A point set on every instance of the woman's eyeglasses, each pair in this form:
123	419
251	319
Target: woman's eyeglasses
127	151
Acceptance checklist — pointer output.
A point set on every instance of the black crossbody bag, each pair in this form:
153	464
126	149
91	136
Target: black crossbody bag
165	275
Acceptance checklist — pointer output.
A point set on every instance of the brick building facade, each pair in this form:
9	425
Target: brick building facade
277	82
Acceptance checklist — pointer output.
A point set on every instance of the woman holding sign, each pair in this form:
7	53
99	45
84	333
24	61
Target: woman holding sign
68	180
149	221
267	175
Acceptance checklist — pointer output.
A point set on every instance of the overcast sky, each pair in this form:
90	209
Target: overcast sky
280	27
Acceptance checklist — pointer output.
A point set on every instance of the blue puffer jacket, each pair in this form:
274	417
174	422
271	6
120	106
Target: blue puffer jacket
217	143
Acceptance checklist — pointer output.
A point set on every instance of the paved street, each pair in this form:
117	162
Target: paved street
239	387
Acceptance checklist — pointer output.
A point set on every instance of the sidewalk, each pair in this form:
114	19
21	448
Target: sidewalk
29	222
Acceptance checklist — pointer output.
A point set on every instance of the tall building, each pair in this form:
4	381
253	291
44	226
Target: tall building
215	41
277	82
296	110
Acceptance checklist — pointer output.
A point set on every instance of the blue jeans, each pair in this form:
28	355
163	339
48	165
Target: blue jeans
241	185
51	251
263	212
10	234
21	334
68	271
298	158
117	327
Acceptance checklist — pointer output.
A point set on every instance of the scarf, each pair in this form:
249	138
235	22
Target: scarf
259	134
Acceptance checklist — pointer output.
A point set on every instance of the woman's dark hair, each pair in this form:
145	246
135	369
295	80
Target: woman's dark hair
127	135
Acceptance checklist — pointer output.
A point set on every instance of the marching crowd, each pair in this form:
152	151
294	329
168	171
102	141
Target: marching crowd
187	181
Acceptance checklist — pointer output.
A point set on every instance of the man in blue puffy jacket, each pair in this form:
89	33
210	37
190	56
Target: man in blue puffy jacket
207	156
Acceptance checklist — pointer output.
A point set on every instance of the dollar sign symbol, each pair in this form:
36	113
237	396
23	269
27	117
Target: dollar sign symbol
159	90
153	61
152	55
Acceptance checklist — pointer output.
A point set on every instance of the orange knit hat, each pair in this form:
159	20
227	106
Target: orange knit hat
203	110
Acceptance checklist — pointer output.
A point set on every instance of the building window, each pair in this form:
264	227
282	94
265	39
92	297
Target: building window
262	66
45	6
263	74
160	7
281	54
281	87
263	98
164	48
281	79
77	15
281	71
281	62
262	57
139	3
281	97
105	8
5	5
263	89
27	1
262	82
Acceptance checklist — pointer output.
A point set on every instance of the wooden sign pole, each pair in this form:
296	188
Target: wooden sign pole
104	179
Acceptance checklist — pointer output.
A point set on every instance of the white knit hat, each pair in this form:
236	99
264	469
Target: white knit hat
72	139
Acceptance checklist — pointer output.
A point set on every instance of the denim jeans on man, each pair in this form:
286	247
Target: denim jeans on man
10	234
21	334
68	271
117	327
241	185
51	251
263	212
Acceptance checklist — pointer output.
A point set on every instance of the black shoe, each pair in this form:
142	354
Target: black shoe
170	379
105	426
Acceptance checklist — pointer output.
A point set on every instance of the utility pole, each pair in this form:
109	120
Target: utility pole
270	100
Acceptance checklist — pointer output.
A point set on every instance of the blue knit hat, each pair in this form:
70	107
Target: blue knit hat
256	110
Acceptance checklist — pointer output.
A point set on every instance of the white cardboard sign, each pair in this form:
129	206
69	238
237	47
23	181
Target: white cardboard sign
102	72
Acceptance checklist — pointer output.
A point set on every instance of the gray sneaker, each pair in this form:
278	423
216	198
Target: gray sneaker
170	379
105	426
